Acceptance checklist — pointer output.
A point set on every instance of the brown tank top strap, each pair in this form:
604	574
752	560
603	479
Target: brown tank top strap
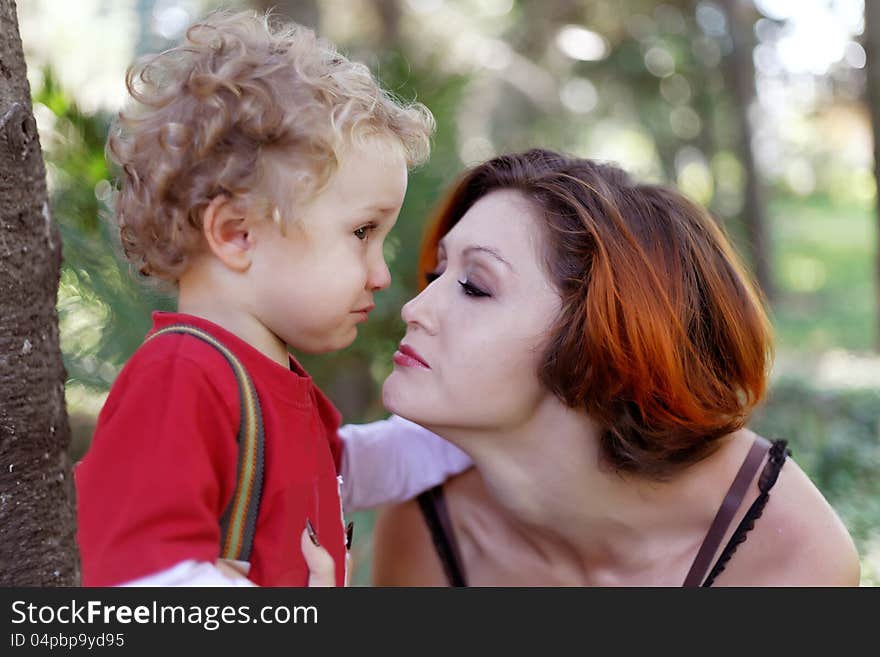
732	501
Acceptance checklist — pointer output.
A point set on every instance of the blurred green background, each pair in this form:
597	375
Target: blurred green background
675	91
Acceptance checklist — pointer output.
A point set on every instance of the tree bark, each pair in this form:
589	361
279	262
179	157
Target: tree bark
389	16
304	12
872	90
741	71
37	517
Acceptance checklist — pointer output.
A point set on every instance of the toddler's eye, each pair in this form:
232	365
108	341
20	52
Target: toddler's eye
363	232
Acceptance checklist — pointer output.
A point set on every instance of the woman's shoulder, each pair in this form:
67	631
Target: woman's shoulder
799	540
403	551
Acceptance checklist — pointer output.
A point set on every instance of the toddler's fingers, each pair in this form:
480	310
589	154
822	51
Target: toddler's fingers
322	569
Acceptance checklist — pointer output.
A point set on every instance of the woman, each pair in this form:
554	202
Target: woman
594	346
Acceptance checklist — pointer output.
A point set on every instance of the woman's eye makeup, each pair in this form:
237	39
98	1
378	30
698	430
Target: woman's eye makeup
472	290
467	287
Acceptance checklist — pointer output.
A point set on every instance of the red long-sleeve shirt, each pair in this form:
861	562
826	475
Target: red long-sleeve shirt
161	468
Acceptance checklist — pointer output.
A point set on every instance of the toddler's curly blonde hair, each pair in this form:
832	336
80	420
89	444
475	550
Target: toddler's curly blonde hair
239	102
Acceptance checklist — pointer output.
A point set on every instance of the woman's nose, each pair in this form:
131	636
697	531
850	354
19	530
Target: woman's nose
419	311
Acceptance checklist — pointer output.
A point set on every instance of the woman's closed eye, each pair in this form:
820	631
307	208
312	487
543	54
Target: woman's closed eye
472	290
467	287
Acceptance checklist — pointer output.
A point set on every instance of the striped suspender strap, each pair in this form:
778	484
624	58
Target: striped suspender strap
239	520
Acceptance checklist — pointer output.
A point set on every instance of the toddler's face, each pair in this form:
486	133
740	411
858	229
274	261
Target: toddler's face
312	286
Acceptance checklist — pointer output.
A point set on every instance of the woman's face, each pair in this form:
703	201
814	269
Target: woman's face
476	334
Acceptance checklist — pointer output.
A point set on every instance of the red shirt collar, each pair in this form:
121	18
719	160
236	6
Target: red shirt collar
256	362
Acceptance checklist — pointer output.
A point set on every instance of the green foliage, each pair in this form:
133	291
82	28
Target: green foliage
834	435
824	260
104	311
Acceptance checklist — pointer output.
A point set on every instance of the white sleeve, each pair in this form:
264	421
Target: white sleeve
190	573
394	460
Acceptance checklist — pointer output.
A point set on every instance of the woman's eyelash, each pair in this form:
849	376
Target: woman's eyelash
471	290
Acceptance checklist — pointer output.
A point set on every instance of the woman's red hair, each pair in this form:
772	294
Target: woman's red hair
661	338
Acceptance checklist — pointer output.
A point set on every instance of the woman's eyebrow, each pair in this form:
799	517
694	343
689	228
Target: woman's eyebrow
487	249
478	248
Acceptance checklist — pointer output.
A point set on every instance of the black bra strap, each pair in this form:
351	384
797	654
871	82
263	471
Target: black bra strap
778	453
433	505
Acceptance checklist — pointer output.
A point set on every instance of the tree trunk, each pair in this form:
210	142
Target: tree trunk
872	49
304	12
741	71
389	16
37	519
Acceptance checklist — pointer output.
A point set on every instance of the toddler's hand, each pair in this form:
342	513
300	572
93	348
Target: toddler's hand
231	569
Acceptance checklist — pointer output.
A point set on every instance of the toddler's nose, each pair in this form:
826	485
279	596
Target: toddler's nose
380	277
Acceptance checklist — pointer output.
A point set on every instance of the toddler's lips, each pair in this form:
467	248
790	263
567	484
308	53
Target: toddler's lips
363	312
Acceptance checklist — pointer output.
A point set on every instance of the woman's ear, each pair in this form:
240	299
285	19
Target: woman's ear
228	231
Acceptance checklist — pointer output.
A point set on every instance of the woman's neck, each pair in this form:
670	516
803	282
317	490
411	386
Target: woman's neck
548	477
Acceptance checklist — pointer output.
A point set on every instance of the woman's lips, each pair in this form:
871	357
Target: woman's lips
406	356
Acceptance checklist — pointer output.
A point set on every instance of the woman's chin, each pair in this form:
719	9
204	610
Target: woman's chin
391	395
397	397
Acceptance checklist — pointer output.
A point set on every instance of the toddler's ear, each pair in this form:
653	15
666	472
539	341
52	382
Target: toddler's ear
228	228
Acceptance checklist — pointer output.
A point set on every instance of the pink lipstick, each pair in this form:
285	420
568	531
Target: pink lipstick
406	356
